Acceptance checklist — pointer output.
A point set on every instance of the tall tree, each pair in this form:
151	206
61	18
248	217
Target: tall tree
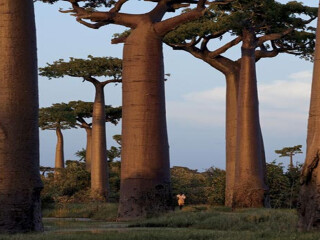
89	69
145	175
309	205
20	183
83	111
274	28
289	152
58	117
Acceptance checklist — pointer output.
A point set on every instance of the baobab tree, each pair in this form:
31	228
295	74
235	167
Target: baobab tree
309	200
20	183
83	111
145	175
58	117
265	29
289	152
89	70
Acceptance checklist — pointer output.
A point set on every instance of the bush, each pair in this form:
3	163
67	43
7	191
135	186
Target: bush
70	184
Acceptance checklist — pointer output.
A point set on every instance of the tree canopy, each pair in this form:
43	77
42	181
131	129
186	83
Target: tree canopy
59	115
73	115
84	110
86	69
278	28
289	151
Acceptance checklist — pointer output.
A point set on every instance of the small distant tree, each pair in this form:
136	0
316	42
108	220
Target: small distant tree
81	154
289	152
90	70
115	152
58	117
83	112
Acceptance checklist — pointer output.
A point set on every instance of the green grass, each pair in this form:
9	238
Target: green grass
96	211
192	223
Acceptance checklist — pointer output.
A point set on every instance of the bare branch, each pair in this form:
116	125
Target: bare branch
225	47
274	36
66	11
119	40
182	46
118	5
111	81
162	28
90	25
266	54
310	20
91	79
102	18
208	38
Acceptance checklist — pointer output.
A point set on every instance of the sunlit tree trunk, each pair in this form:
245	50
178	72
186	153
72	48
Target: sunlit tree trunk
232	80
99	167
20	182
309	201
249	188
88	149
145	170
59	159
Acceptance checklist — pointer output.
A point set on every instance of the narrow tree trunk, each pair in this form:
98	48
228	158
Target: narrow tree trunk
20	183
88	149
99	167
145	170
249	188
309	200
291	161
232	81
59	159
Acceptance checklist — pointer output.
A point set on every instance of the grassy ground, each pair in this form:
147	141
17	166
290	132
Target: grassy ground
193	223
96	211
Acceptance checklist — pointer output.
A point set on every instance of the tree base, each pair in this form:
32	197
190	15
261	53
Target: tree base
99	195
250	198
309	207
140	198
20	211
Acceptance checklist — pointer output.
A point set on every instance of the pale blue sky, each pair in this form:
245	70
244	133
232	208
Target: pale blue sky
194	93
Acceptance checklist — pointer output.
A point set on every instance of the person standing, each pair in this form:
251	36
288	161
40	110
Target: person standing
181	197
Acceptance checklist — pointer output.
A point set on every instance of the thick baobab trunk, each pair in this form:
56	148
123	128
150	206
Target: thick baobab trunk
59	159
145	171
99	167
309	200
88	149
232	81
20	183
250	188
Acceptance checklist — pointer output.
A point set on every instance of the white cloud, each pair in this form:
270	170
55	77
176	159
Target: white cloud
283	105
302	76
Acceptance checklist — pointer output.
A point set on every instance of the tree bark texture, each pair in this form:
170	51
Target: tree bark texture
309	200
99	166
59	159
20	183
232	81
88	149
145	171
249	188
